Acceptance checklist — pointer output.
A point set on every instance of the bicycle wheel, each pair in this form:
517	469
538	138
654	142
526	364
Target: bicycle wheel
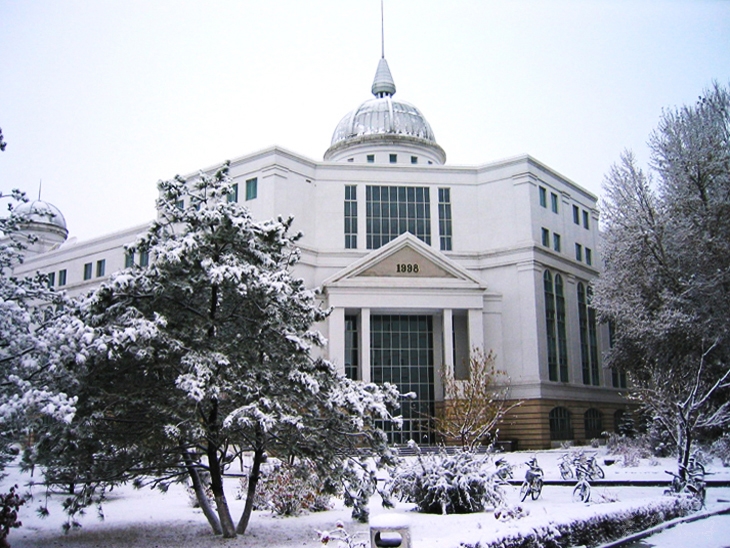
524	490
581	492
565	472
536	489
598	471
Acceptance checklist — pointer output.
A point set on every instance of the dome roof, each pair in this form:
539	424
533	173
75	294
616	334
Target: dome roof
383	119
42	212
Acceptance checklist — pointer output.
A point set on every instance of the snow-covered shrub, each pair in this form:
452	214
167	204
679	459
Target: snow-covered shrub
630	450
440	483
721	449
10	503
343	539
289	489
509	513
592	531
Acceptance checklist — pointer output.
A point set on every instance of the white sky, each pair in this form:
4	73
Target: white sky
101	99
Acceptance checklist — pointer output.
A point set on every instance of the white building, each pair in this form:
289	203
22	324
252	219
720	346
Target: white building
422	261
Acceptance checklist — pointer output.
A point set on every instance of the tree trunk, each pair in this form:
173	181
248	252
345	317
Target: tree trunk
253	480
216	484
200	495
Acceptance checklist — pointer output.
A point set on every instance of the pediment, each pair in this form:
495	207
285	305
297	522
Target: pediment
406	257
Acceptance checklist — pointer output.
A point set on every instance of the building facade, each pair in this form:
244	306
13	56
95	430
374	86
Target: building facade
422	263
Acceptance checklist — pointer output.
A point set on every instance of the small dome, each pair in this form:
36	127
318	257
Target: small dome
383	116
384	120
42	212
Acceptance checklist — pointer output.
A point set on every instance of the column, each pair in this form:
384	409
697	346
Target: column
336	338
365	344
476	329
448	330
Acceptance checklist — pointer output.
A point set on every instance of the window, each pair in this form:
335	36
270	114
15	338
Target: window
586	224
251	188
350	217
445	218
588	337
62	277
576	215
593	420
129	259
545	237
51	279
618	377
556	242
557	340
100	267
414	159
233	196
578	252
393	158
371	158
392	210
87	271
351	160
180	204
352	354
589	256
560	428
554	202
543	196
144	258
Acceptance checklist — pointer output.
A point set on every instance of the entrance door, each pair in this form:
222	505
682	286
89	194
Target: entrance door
401	351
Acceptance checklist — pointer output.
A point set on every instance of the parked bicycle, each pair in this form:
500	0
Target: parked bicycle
564	465
593	467
533	480
582	490
689	482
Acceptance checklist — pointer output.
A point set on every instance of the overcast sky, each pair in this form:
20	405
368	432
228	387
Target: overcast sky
100	99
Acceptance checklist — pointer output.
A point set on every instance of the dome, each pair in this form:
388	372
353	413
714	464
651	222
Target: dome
42	212
383	119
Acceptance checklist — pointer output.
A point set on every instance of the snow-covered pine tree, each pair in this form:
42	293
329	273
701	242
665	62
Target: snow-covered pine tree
205	354
39	336
666	279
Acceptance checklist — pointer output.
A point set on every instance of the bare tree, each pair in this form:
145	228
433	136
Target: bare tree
473	408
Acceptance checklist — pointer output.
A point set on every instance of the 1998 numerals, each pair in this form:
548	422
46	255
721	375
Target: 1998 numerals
409	268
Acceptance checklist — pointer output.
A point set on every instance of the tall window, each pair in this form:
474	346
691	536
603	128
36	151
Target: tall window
350	217
588	337
560	428
578	252
129	259
233	196
586	223
87	271
545	237
100	267
352	352
144	258
554	202
251	188
576	215
556	242
543	196
393	210
557	341
589	256
445	218
593	421
62	277
51	279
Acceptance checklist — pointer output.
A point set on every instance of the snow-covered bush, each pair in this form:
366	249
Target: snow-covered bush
440	483
10	502
721	449
630	450
289	489
343	538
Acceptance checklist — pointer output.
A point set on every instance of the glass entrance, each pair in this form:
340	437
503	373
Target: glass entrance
401	350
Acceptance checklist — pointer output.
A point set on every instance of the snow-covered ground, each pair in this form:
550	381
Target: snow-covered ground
146	518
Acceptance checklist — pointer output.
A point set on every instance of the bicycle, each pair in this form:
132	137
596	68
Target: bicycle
533	481
690	483
566	472
594	468
582	490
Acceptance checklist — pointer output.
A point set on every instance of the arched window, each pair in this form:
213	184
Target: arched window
557	341
593	423
560	428
588	337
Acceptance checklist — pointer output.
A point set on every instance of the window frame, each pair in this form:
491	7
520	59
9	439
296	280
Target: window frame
252	188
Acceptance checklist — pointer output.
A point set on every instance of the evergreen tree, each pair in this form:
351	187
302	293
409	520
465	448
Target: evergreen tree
207	353
666	280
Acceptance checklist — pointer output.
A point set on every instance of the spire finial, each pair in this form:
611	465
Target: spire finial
40	186
383	85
